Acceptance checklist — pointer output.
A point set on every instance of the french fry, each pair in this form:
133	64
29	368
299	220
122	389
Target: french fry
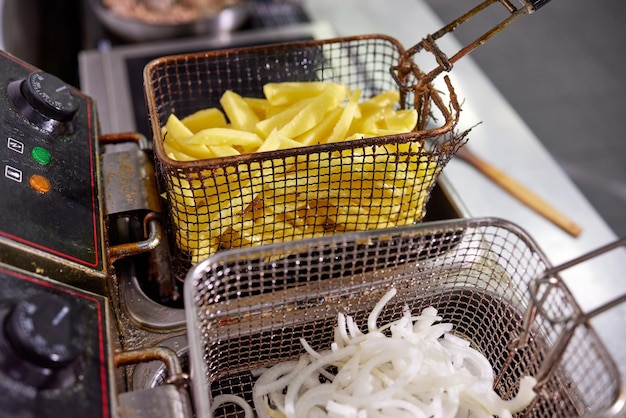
286	93
210	117
222	151
176	130
299	196
276	140
400	121
238	111
350	111
175	154
225	136
323	130
265	127
313	113
179	135
258	105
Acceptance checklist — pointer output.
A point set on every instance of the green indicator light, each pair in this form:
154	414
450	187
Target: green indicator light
41	155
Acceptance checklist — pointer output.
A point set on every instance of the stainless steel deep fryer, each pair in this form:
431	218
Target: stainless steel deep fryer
247	309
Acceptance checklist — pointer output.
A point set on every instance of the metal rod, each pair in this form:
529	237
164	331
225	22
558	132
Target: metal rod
444	63
155	236
166	355
571	323
554	270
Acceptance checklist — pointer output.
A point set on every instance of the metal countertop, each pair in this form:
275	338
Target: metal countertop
505	140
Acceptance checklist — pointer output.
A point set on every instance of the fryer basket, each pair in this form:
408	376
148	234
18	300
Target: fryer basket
291	194
317	190
247	308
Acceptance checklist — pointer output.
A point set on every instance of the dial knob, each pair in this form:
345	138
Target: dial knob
45	338
50	96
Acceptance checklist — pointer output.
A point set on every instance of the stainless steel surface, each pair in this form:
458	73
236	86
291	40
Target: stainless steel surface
164	401
154	373
104	76
475	272
130	179
504	137
147	312
519	191
134	30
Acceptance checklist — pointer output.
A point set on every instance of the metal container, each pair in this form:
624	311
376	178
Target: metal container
247	309
257	198
135	30
213	203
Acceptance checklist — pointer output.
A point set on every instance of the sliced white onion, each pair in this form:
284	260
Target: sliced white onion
220	400
411	367
373	316
294	386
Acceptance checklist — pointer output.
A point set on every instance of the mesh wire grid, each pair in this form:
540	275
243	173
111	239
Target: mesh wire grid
298	193
247	308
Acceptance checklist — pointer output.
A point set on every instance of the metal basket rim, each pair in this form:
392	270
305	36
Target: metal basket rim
417	135
362	236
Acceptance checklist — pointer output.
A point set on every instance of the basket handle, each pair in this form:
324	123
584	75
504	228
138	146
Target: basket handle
429	43
571	322
549	279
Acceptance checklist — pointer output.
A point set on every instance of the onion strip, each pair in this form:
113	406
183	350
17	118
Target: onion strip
412	367
220	400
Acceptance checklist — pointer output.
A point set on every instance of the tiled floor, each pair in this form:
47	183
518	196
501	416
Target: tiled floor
564	70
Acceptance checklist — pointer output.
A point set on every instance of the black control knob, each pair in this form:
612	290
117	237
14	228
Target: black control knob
50	96
44	340
46	101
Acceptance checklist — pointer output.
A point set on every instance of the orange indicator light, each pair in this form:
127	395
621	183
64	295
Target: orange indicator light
39	183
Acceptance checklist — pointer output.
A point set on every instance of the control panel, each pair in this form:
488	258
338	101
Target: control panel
50	208
55	358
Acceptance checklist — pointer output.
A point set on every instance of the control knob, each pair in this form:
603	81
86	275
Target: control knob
43	342
45	100
50	96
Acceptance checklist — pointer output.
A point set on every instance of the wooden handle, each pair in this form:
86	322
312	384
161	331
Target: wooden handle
521	192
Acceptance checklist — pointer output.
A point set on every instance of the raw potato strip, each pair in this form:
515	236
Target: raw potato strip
294	198
242	117
313	197
312	114
413	367
176	136
215	208
323	130
280	117
331	198
211	117
286	93
350	112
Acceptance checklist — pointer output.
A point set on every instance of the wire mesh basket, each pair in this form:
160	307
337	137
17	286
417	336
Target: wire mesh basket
296	193
315	190
248	308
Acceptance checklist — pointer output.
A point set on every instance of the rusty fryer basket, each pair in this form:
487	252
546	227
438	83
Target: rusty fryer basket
296	193
304	192
248	308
